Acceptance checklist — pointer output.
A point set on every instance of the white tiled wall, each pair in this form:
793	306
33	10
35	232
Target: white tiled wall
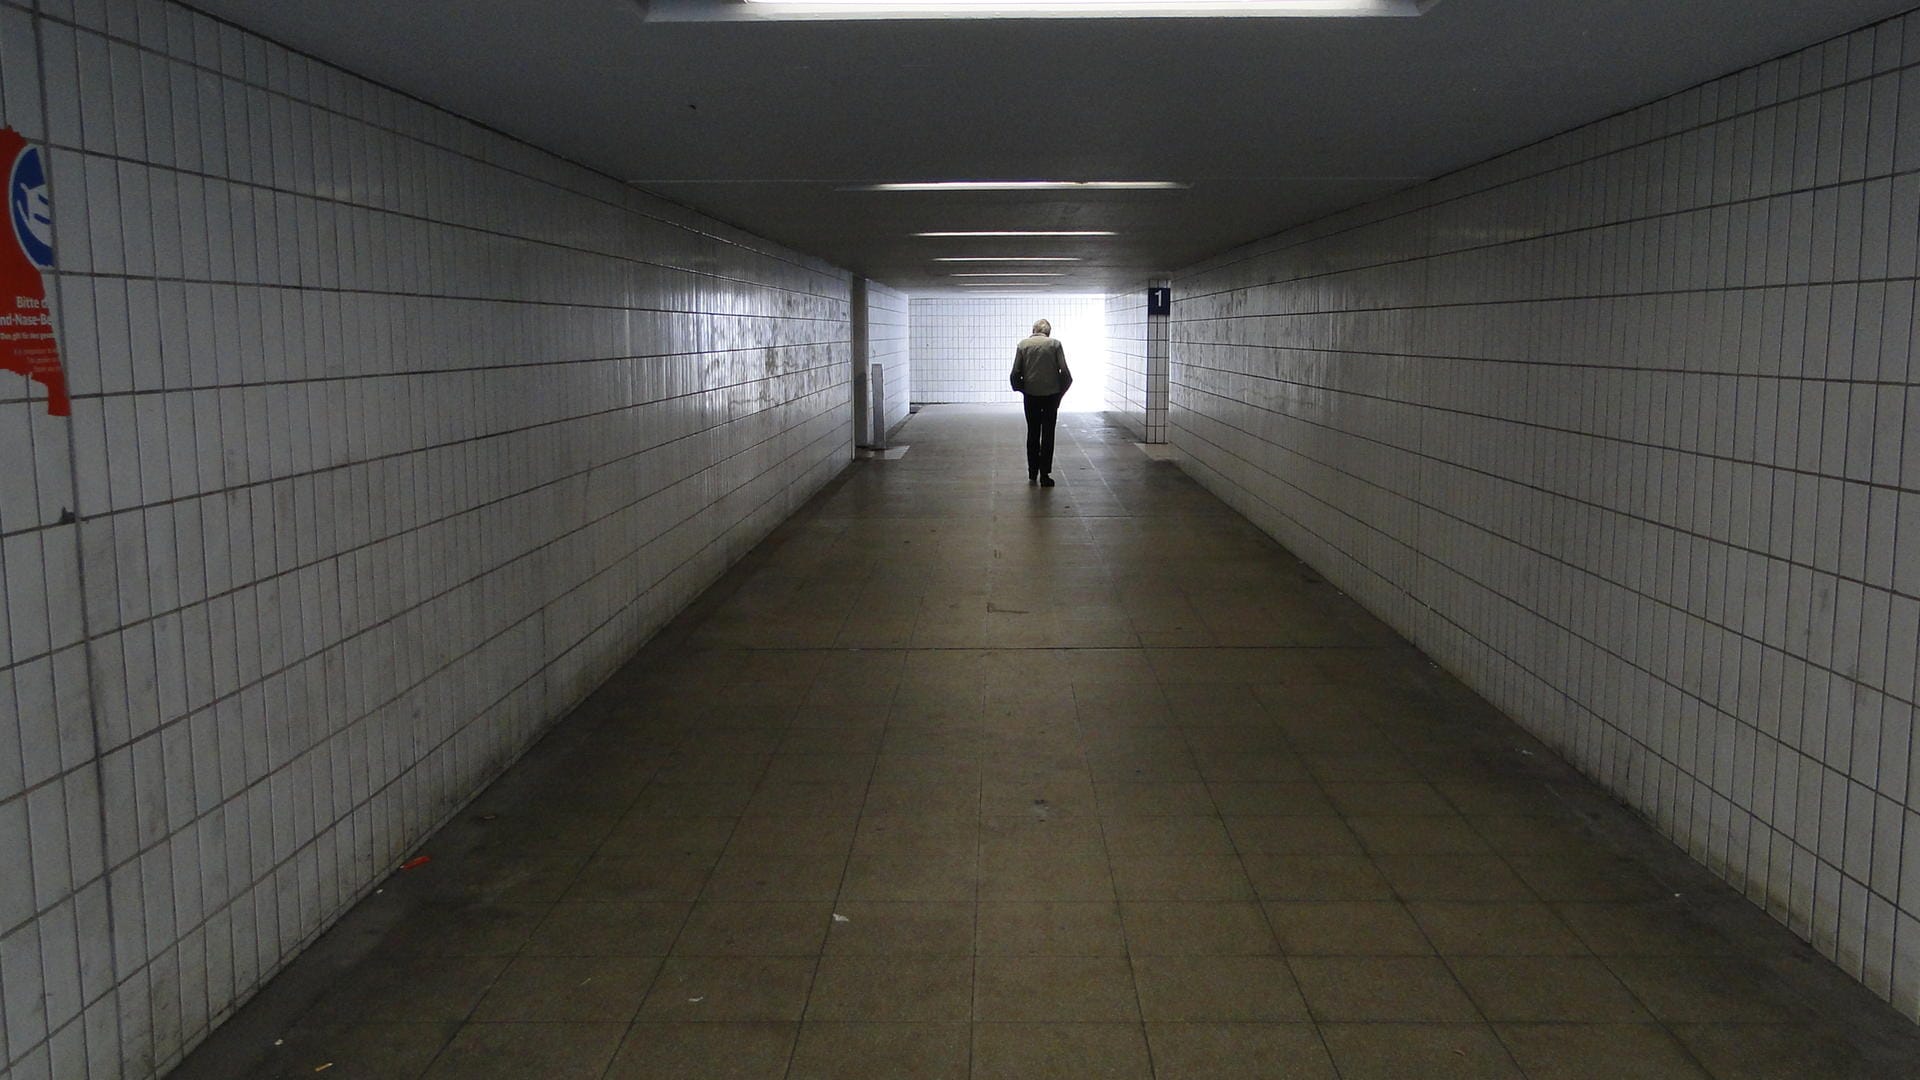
1621	428
1137	347
1127	359
963	346
886	313
391	437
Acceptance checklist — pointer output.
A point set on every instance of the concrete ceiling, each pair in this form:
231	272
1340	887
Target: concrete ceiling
1272	121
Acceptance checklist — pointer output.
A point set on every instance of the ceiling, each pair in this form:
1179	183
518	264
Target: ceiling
1271	121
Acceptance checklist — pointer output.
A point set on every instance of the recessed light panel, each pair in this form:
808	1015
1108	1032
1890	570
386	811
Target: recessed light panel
1023	185
1008	258
1076	9
1018	232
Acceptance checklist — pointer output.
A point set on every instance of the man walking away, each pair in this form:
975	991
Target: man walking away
1040	374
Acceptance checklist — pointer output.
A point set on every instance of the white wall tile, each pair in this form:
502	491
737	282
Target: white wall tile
1618	415
326	456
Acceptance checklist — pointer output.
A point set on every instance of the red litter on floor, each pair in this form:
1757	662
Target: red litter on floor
416	862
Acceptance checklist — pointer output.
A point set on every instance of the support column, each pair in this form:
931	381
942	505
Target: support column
857	315
1159	338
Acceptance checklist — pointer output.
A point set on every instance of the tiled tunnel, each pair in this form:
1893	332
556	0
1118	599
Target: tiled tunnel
517	560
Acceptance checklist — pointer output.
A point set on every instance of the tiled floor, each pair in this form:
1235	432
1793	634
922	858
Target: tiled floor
954	777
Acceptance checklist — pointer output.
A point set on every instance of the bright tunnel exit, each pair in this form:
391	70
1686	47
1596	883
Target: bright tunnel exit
962	346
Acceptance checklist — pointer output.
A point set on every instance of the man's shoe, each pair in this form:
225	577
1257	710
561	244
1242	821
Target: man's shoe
1046	481
1032	477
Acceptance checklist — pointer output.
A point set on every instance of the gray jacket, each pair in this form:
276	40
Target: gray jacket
1043	363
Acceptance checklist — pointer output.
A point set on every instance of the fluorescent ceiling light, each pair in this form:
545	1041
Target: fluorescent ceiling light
1025	185
1021	232
1075	9
1007	258
1009	273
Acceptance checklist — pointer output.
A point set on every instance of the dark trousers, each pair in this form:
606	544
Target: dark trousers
1043	412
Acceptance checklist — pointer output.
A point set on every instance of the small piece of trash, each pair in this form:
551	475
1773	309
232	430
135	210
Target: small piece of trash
416	862
323	1068
696	1001
488	817
279	1042
837	917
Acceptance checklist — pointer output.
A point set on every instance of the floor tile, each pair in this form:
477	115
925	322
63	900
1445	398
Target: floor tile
1023	928
361	1051
1197	929
732	928
711	1051
1279	799
836	1051
924	799
1045	875
1054	989
1705	990
910	877
791	836
1418	835
673	876
1238	1052
1148	798
1586	877
1511	834
1192	835
409	989
1412	798
1786	1052
1040	1051
642	834
1217	988
1599	1051
906	834
1460	1051
1316	877
703	988
1039	833
775	877
1346	928
886	988
1275	835
1451	877
1568	989
1524	928
1180	877
1658	928
483	928
1381	988
608	928
901	928
569	988
528	1052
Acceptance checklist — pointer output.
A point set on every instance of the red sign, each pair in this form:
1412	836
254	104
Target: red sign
26	323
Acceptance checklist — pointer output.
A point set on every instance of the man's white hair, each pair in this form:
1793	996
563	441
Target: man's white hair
1042	326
